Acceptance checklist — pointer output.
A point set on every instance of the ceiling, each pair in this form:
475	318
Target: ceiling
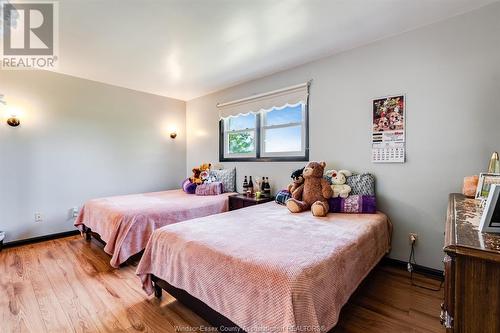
188	48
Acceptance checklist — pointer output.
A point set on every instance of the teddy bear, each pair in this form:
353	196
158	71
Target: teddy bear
339	186
195	179
200	174
297	180
313	193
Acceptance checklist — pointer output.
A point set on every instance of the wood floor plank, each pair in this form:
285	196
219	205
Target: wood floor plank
8	313
83	274
53	316
146	308
107	288
67	285
68	291
21	295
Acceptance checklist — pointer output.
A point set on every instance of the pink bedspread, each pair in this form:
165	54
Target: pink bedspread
267	269
125	223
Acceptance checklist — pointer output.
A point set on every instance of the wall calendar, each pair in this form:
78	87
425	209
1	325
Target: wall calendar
388	129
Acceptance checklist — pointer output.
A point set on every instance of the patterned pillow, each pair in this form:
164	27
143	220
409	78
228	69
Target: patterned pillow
282	197
227	177
366	204
362	184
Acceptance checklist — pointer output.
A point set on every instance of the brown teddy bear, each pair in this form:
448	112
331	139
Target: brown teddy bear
314	193
195	179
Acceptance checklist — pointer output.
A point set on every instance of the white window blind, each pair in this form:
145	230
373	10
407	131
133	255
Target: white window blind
274	99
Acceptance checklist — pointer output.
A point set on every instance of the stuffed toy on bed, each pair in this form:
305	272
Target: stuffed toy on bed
314	193
297	180
195	178
200	174
339	179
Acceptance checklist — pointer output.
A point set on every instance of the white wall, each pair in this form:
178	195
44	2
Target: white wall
81	139
450	72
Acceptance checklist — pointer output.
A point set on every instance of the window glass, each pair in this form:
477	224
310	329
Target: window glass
241	142
283	139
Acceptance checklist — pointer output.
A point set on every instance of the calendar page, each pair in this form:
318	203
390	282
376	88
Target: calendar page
388	138
394	154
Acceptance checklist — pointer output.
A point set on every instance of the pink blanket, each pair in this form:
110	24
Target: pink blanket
125	223
267	269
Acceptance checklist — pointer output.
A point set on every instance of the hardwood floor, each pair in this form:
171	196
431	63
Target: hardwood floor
67	285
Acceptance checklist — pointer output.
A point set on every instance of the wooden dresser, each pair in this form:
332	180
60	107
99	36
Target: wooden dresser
472	271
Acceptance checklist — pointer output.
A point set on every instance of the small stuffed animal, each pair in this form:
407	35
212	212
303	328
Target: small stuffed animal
297	180
195	179
339	186
210	179
205	171
314	193
205	166
200	174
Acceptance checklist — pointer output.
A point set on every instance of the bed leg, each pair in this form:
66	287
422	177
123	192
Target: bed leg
88	234
158	290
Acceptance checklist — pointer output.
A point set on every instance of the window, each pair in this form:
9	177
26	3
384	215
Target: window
278	134
283	131
266	127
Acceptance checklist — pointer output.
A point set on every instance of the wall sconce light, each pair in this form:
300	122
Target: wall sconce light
13	121
13	117
172	130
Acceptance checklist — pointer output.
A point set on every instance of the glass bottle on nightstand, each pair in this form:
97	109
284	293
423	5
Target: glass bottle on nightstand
267	188
245	185
250	187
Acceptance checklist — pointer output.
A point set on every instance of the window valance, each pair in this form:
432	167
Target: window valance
266	101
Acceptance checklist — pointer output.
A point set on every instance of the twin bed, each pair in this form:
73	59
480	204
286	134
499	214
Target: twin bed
262	268
125	223
259	268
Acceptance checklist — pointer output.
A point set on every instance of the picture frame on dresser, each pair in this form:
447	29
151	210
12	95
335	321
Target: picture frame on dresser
490	220
484	184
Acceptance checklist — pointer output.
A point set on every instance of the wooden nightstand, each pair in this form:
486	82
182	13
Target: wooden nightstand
238	201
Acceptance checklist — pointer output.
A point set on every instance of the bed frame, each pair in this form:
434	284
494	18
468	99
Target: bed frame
88	237
89	233
201	309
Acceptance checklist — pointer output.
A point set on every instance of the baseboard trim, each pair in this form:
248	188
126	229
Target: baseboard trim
436	273
40	238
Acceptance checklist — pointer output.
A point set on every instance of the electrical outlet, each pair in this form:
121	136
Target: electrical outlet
38	217
412	237
75	212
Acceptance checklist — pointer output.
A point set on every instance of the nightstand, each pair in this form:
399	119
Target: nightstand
238	201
